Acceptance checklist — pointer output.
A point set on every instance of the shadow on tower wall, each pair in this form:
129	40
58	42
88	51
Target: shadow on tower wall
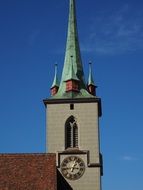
62	184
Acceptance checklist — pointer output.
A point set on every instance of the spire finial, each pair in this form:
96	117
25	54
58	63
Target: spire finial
91	84
90	78
55	85
55	81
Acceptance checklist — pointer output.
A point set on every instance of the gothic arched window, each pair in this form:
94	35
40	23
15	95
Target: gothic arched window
71	133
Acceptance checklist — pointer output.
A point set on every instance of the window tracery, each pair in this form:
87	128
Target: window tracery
71	133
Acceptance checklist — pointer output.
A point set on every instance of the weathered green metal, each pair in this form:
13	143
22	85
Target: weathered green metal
72	69
71	74
90	77
55	81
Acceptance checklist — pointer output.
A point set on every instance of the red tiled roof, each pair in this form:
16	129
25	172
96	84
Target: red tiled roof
28	172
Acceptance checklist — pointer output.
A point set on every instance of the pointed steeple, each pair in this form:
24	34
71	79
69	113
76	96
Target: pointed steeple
91	85
55	85
73	67
72	47
90	77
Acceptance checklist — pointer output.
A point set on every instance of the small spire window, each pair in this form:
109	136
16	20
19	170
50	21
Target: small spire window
71	133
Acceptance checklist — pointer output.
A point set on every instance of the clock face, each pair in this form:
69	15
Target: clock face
72	167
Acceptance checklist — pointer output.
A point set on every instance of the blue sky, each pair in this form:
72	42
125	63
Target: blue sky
32	40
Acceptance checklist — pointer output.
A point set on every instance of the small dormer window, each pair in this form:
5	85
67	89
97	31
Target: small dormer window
72	85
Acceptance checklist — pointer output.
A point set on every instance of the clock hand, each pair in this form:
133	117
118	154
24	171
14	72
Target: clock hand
73	166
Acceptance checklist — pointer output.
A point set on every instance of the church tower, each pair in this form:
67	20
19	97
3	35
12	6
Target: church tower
72	114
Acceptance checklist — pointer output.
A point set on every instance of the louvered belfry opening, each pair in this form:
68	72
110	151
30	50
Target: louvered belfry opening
71	133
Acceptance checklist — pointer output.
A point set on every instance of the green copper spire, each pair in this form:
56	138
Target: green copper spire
90	78
72	69
71	74
72	48
56	81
